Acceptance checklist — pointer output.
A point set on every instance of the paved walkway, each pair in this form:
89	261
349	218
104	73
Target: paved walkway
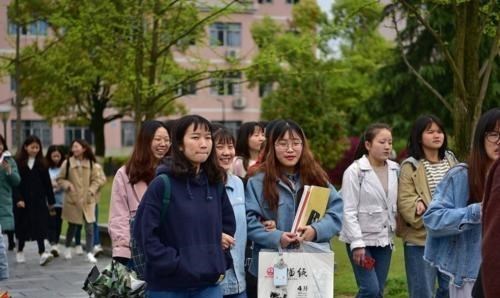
59	278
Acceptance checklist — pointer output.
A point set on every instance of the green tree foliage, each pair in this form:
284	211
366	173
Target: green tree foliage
446	63
107	59
312	85
74	76
160	31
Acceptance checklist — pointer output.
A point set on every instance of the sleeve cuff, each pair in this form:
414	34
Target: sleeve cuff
357	244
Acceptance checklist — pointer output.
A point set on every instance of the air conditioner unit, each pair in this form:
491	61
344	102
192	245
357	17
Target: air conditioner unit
232	53
239	103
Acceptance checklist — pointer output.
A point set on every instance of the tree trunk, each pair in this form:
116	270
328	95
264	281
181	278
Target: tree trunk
467	107
139	65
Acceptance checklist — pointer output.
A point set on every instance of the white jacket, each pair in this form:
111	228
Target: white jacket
369	214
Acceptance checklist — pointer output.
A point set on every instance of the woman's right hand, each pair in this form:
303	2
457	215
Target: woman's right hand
21	204
288	238
358	255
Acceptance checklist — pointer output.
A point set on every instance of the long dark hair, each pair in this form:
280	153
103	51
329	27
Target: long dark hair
478	158
415	147
87	154
142	164
180	165
246	130
4	143
308	168
22	155
369	134
48	156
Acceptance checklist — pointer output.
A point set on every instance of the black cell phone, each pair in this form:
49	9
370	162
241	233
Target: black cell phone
313	217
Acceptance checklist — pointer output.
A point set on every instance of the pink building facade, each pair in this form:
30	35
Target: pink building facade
230	103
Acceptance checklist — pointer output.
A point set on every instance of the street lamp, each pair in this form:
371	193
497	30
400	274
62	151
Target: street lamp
223	104
5	113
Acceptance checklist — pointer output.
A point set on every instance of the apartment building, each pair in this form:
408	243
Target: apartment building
226	102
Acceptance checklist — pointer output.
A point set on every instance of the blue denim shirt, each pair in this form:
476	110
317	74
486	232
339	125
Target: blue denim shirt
234	282
453	242
258	209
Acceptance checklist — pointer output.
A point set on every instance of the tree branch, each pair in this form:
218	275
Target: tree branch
494	51
413	70
440	42
486	69
113	117
195	26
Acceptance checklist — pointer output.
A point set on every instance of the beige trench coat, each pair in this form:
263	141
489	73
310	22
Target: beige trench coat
80	202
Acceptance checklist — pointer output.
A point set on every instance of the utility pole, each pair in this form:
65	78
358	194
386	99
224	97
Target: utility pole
18	103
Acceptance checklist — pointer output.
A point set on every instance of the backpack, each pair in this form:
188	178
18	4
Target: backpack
138	257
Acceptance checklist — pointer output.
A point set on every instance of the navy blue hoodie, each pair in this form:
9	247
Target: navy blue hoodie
184	250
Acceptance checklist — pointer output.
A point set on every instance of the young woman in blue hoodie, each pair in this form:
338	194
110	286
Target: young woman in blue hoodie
183	246
273	193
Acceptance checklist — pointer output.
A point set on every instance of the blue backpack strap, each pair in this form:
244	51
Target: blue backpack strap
166	195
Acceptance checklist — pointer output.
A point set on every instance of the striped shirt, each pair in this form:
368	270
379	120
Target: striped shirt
435	172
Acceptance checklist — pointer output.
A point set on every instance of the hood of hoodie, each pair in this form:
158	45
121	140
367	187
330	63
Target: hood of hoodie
190	181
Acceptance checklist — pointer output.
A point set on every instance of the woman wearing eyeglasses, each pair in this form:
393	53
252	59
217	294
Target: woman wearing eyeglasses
453	219
274	193
369	190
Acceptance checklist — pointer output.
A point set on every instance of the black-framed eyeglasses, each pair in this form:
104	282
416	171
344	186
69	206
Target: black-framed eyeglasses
493	136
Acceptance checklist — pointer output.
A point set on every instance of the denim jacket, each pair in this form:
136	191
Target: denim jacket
258	209
234	282
453	242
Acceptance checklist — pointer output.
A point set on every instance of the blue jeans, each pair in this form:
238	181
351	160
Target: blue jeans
206	292
371	282
4	264
421	276
240	295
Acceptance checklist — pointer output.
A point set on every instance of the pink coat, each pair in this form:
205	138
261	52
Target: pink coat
125	199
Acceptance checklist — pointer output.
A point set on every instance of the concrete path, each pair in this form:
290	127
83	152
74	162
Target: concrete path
59	278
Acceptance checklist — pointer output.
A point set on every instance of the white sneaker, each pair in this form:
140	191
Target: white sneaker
79	250
91	258
67	253
20	257
97	250
54	250
45	258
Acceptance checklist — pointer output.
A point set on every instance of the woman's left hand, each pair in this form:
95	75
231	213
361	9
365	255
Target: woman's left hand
307	233
269	225
227	241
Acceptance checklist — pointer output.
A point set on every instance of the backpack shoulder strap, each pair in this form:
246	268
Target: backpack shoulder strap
166	195
67	168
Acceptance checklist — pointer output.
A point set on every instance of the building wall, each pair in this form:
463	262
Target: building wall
212	106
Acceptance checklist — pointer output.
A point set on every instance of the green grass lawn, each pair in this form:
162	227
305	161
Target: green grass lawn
345	285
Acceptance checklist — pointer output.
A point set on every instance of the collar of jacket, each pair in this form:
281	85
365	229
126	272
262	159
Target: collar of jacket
364	164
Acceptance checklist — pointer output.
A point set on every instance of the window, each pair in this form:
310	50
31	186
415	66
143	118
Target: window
186	89
77	132
292	1
265	1
128	133
12	83
36	28
233	127
225	34
38	128
265	89
229	84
